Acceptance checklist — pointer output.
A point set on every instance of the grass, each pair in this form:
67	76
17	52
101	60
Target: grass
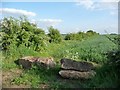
106	77
36	76
92	49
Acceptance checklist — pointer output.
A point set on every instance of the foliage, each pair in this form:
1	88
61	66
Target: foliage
105	78
54	35
92	49
72	36
114	57
117	40
80	35
21	31
91	33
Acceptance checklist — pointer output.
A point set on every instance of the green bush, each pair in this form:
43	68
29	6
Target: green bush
80	35
21	31
54	35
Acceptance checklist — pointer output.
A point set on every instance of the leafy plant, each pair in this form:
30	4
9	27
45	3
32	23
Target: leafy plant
80	35
54	35
21	31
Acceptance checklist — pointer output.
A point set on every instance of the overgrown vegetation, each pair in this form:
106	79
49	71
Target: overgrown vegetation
80	35
22	38
54	35
21	32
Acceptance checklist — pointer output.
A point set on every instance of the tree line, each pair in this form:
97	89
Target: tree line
22	32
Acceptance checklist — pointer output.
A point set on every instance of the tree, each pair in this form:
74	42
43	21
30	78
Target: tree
9	28
54	35
91	33
75	36
21	32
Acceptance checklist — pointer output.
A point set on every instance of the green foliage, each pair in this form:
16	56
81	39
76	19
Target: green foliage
105	78
21	31
114	56
36	76
91	33
72	36
54	35
114	63
117	40
80	35
92	49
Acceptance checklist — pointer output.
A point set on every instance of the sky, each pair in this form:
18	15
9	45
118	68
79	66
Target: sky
67	17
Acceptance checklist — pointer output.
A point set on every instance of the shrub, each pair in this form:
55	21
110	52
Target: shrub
80	35
54	35
114	58
21	31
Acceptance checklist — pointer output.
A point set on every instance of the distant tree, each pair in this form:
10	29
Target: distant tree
91	33
80	35
54	35
75	36
67	37
71	36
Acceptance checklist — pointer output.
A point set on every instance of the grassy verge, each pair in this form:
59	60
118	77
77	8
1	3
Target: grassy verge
93	49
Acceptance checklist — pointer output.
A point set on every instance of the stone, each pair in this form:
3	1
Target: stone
69	64
71	74
46	62
28	61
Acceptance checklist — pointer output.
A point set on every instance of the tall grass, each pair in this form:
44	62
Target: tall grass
93	49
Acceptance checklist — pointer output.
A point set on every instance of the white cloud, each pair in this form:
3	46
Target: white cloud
111	5
89	4
110	0
47	22
50	20
16	12
92	4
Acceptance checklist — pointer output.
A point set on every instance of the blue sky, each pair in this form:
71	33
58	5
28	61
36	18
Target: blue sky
67	16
